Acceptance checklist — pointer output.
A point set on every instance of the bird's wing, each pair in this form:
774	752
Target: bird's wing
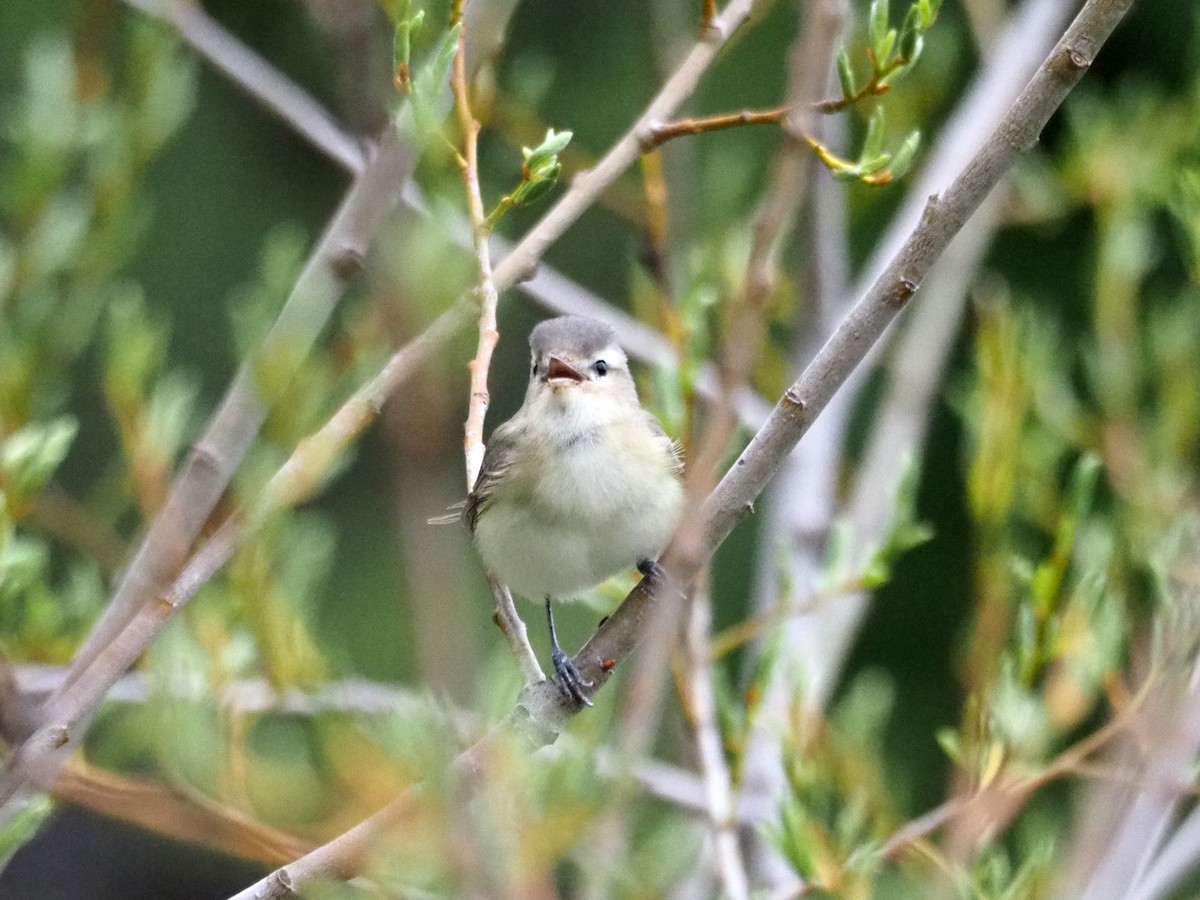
496	461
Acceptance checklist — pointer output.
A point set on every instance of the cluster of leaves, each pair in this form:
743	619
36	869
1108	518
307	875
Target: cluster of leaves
424	114
891	55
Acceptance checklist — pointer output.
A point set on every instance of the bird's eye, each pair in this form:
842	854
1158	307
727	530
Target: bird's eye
600	367
534	371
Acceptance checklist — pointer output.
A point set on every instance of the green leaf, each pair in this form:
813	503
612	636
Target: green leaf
948	740
24	825
903	159
547	151
910	35
30	456
873	142
846	74
877	25
883	48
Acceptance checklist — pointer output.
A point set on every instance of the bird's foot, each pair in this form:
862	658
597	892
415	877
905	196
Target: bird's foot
570	680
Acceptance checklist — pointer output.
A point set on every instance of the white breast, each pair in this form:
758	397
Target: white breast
596	507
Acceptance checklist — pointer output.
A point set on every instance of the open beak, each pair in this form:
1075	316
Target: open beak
558	369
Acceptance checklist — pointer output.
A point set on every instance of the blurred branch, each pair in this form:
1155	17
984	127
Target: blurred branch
335	260
245	697
260	79
700	712
1139	860
159	809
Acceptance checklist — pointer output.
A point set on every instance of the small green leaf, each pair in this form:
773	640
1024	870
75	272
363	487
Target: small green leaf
552	145
948	740
846	74
24	825
877	25
910	35
873	143
883	47
30	456
903	159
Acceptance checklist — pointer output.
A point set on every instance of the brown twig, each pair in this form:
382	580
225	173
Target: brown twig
506	615
660	134
512	626
473	447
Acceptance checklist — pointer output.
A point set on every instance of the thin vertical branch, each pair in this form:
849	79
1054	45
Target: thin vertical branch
512	626
506	615
485	291
700	713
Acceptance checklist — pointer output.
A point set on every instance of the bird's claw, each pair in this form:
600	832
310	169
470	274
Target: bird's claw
570	680
651	569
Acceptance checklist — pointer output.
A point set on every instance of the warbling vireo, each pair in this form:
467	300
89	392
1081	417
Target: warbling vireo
580	484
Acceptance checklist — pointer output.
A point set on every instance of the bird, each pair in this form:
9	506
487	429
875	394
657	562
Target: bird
580	484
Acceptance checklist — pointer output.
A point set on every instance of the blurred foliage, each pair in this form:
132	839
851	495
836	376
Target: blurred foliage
153	222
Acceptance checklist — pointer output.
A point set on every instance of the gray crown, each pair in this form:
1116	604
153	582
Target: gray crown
575	336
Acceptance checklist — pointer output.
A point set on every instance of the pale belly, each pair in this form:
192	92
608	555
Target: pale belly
597	522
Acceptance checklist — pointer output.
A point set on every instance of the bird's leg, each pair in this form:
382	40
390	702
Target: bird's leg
570	680
652	570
